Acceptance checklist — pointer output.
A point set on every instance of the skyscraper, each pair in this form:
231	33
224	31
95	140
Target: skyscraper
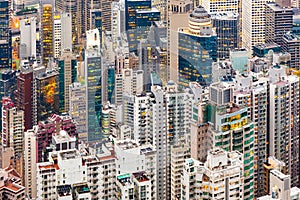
279	21
24	96
232	130
284	121
197	49
28	37
47	93
5	35
253	23
67	65
227	30
93	81
47	32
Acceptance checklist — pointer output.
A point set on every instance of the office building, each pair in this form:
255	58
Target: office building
28	38
66	31
212	6
177	16
67	65
284	128
7	86
197	49
47	93
78	108
221	176
279	21
47	32
5	35
261	50
253	23
227	30
93	81
97	22
131	8
57	35
291	44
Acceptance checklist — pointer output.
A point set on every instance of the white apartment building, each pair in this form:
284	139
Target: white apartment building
132	157
220	177
133	186
179	153
284	121
30	163
77	174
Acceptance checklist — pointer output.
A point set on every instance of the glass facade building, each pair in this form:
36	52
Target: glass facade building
195	57
197	49
227	30
96	22
5	35
93	94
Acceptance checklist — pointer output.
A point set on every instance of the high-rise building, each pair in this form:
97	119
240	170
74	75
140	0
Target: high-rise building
220	177
227	30
7	86
279	22
284	121
66	31
179	153
30	163
13	131
5	35
131	8
291	44
212	6
131	158
67	65
232	130
76	175
47	32
78	108
177	16
255	96
28	37
47	92
97	22
253	23
24	95
197	49
93	81
57	35
70	7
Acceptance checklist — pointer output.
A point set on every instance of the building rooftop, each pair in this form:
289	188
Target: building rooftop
124	179
127	144
141	176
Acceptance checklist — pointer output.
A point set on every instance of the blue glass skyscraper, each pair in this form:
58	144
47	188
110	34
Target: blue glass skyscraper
197	49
